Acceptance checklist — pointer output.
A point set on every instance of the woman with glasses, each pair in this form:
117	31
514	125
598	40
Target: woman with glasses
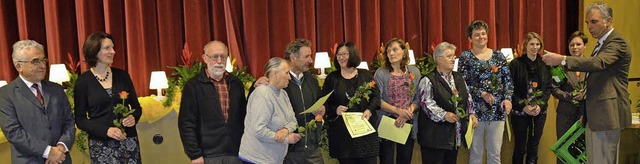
96	93
397	82
489	81
344	82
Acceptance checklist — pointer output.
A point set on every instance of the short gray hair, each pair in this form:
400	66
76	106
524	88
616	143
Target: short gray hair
440	48
216	42
273	65
23	45
603	7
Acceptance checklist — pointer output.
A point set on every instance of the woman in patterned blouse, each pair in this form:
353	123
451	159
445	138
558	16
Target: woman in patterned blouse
397	81
488	78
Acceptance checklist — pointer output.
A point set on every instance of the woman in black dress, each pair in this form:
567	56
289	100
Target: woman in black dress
344	82
95	94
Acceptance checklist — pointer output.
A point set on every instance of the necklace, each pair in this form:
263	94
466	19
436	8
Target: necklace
102	80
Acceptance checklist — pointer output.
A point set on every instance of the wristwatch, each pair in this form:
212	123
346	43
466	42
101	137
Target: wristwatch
564	60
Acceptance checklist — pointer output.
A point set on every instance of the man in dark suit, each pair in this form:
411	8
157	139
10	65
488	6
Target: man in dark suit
35	114
212	111
607	100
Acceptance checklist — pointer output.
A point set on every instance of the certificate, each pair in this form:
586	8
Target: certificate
388	130
318	104
356	125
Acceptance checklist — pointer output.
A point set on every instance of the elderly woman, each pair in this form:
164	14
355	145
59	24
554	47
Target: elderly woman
487	76
570	92
441	130
270	120
344	83
96	94
530	75
397	82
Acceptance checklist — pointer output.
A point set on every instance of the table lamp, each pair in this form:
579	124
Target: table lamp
159	81
58	73
322	61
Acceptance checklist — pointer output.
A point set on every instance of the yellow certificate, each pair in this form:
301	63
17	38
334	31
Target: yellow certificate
356	125
318	104
388	130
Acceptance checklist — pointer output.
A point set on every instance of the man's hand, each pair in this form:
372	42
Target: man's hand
552	59
198	161
56	155
129	121
488	97
116	134
261	81
506	105
293	138
281	135
341	109
320	111
579	96
367	114
400	122
474	120
450	117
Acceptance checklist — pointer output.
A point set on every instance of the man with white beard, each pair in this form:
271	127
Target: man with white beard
212	110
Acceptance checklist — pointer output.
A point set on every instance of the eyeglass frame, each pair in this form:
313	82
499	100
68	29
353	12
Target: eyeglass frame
216	57
36	61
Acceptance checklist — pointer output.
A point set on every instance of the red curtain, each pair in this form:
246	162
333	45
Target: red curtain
150	34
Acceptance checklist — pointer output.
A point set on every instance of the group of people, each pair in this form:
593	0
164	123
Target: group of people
219	124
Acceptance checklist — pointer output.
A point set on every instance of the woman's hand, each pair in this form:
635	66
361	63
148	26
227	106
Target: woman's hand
474	120
367	114
506	105
281	135
341	109
293	138
400	122
129	121
116	134
488	97
450	117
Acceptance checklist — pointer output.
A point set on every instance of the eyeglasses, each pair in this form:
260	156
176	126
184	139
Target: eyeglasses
216	57
37	61
343	54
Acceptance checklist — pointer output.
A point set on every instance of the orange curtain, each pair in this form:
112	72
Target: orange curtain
149	34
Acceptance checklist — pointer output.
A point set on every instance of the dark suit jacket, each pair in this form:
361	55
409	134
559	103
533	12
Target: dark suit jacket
607	102
31	127
564	94
94	107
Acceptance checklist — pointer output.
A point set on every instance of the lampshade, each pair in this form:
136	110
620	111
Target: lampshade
412	59
58	73
363	65
3	83
158	80
229	67
455	65
322	60
508	53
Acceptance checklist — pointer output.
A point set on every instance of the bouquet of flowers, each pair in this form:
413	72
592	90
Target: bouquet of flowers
581	86
412	88
122	110
455	101
533	98
363	91
494	84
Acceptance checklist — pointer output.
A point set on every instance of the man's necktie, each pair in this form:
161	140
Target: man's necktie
39	94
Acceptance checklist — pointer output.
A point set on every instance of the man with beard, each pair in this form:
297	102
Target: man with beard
303	91
212	110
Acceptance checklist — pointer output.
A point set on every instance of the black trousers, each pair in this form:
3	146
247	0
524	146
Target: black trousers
438	156
405	152
363	160
527	131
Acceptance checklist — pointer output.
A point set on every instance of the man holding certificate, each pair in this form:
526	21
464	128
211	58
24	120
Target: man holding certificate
445	102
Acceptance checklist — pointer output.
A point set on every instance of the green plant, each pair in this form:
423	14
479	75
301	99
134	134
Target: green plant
81	139
455	101
425	64
181	74
122	110
245	77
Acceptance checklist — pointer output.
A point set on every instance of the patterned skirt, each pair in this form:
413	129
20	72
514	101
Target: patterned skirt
114	151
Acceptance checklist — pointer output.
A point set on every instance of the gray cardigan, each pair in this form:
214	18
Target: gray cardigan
382	78
268	110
